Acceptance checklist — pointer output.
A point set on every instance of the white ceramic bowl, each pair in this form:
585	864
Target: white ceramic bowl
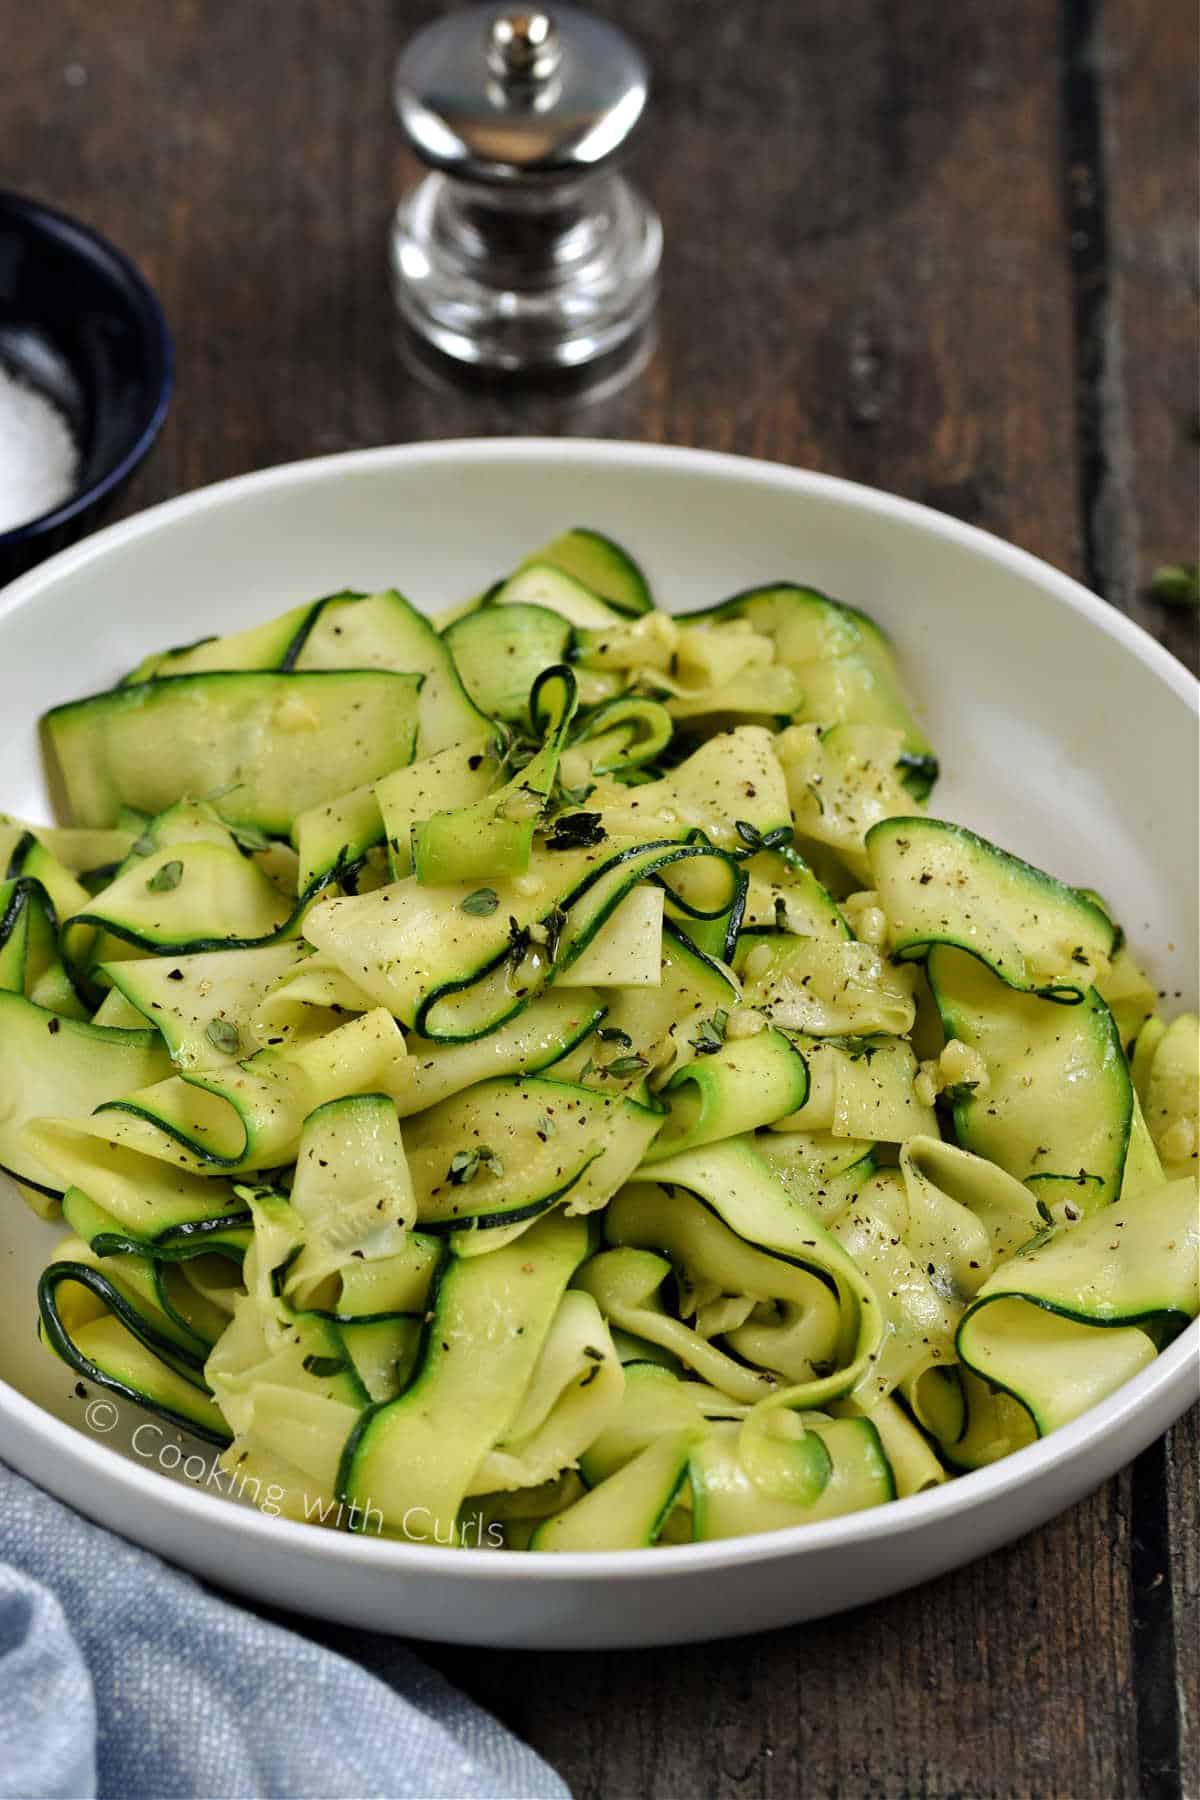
1064	732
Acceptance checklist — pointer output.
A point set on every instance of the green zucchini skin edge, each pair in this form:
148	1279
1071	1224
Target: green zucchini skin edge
822	1275
799	587
308	625
28	891
673	850
178	1242
287	662
1167	1323
13	872
631	571
518	1215
171	681
345	1469
24	1181
1059	993
51	1279
175	1133
339	873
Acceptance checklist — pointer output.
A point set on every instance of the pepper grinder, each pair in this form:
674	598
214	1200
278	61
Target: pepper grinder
524	249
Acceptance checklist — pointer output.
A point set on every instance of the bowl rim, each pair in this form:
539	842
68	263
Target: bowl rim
190	1505
154	331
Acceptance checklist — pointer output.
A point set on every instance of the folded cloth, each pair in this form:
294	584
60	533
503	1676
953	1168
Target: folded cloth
122	1676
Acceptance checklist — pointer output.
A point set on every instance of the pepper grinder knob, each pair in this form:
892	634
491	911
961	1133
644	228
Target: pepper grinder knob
523	249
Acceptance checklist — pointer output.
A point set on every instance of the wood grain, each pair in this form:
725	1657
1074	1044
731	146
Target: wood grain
1141	59
1183	1572
870	271
1145	58
981	1683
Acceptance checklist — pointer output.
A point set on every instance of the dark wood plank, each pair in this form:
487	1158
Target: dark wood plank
1008	1677
821	171
867	273
1141	61
1146	56
1183	1485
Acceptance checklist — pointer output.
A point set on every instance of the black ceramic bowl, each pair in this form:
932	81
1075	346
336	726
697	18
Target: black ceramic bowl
79	323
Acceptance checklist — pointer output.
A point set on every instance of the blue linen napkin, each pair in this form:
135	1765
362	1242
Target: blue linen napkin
122	1676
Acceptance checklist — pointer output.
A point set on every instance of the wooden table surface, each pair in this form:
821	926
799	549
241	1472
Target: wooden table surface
946	247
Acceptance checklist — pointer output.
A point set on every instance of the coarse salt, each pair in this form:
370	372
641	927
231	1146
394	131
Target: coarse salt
39	463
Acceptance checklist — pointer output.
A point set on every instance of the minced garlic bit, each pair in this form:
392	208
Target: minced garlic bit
925	1087
866	917
757	962
293	714
711	654
796	741
646	643
1176	1144
958	1062
722	1315
520	807
746	1021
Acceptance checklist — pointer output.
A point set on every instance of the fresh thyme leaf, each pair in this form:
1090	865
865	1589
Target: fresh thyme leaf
223	1035
575	796
323	1366
749	834
555	923
169	876
518	751
481	903
958	1092
1176	584
142	846
612	1034
464	1167
710	1033
626	1065
250	837
856	1048
545	1126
